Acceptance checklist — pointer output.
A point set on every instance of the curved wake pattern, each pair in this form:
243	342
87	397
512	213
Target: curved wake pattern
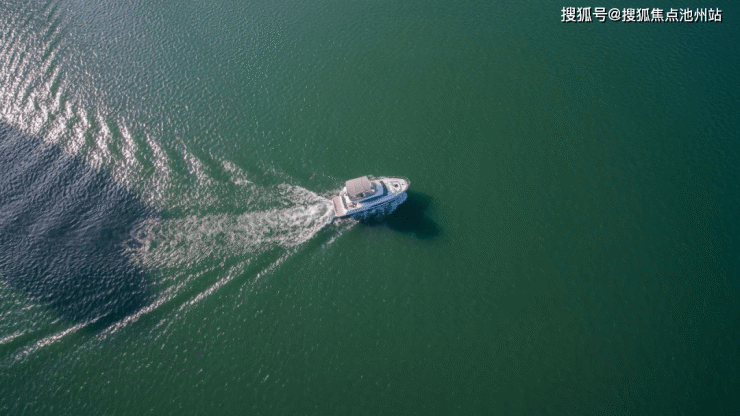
101	253
131	253
198	254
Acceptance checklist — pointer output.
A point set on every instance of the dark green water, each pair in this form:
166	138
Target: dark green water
569	244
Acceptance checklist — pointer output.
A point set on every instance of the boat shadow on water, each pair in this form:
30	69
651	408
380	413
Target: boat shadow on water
64	233
410	217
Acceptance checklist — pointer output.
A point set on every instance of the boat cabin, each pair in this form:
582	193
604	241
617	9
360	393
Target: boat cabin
360	188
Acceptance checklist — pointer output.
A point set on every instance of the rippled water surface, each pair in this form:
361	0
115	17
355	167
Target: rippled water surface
569	243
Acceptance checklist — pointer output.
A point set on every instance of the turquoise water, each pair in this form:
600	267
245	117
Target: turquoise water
569	243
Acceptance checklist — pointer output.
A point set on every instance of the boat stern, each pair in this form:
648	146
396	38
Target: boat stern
340	210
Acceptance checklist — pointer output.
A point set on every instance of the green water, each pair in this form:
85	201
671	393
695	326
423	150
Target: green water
569	244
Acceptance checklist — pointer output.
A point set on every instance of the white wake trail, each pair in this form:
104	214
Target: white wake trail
186	241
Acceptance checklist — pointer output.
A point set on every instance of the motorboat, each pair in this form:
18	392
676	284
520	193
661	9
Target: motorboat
367	196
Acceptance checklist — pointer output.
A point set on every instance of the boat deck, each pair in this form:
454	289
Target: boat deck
339	209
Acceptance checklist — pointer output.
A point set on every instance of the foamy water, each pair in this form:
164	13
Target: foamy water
192	239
